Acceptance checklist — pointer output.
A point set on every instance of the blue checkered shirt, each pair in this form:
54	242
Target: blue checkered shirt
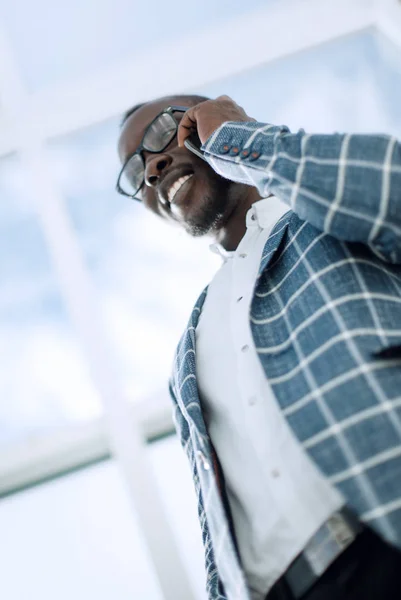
325	319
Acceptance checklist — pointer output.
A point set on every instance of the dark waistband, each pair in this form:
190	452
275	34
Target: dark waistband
328	543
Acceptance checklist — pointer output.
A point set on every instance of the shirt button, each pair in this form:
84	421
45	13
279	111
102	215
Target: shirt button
253	217
275	473
239	299
243	255
245	348
204	461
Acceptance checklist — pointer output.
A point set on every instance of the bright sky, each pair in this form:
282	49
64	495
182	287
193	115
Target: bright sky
58	41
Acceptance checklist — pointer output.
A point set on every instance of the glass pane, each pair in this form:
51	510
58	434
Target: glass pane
88	35
75	537
173	477
147	274
351	84
44	382
91	545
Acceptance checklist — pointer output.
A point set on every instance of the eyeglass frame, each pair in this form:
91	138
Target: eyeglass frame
169	110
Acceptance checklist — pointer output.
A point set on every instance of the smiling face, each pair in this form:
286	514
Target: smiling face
179	186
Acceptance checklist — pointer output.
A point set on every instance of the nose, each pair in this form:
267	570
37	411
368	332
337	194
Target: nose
155	166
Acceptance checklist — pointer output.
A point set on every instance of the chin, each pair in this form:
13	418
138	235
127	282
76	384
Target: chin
207	217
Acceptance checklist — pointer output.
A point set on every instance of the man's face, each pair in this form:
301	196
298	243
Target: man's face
201	202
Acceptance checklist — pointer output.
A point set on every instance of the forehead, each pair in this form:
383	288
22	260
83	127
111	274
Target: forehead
135	125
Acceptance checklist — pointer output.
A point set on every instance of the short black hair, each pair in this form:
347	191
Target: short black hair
188	97
130	112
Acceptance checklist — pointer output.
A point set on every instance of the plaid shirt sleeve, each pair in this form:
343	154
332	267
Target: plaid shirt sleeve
348	186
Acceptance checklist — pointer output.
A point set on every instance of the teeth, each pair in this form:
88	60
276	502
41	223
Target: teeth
176	186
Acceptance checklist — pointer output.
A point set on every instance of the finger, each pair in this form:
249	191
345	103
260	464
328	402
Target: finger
186	126
225	98
227	102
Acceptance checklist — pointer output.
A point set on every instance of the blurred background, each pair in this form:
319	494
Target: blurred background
96	498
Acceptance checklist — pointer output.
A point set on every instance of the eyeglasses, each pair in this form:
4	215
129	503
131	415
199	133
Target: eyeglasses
158	135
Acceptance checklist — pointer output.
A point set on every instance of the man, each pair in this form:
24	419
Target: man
287	380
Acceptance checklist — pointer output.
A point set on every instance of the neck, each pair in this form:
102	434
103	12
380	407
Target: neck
230	235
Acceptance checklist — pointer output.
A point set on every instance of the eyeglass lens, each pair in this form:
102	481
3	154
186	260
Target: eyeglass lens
157	138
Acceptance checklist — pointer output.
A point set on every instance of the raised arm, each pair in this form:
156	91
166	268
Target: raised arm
346	185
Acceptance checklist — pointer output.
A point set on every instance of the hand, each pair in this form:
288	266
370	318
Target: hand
206	117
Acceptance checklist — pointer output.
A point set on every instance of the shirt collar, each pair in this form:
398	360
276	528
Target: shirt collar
267	212
263	213
222	252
